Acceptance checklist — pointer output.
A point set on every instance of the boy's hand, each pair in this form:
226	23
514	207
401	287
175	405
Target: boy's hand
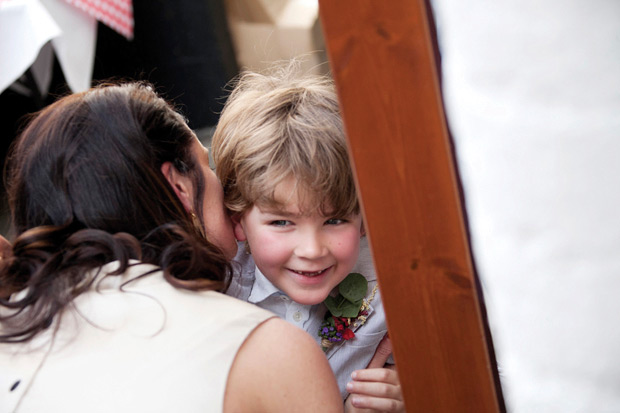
376	388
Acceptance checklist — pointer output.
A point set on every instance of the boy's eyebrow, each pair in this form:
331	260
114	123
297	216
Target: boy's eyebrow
281	212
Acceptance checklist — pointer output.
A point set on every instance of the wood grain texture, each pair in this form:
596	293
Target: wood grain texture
383	63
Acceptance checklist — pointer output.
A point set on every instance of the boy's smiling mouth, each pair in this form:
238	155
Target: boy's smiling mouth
310	273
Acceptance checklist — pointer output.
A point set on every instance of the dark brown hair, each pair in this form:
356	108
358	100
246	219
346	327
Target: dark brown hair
85	188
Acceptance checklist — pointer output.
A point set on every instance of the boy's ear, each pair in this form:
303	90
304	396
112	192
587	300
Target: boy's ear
362	230
238	227
181	185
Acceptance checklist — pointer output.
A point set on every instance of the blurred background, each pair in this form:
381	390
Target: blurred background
188	49
532	93
532	90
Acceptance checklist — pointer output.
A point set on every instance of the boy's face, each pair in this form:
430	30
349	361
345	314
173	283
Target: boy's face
305	256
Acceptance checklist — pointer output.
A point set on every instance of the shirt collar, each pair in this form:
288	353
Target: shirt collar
262	288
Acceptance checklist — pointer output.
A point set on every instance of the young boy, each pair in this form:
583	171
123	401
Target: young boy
281	156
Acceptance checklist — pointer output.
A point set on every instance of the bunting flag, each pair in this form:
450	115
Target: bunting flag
116	14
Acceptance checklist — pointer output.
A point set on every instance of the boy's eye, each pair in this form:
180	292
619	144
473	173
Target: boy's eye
335	221
280	223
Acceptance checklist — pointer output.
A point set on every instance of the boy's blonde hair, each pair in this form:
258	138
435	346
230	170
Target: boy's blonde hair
279	125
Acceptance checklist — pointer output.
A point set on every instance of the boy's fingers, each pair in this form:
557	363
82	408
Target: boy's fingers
384	375
381	354
377	404
375	389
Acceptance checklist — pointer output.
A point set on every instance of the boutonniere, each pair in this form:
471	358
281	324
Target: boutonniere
348	309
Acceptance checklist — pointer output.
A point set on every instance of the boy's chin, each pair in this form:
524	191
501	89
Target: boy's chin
308	299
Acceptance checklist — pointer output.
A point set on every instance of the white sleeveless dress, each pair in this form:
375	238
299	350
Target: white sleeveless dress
148	348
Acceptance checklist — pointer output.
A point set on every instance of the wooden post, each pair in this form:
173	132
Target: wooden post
382	59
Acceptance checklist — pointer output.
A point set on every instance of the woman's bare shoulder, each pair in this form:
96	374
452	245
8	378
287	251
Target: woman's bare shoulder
281	368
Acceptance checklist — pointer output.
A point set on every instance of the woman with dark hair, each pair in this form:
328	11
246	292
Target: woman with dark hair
121	250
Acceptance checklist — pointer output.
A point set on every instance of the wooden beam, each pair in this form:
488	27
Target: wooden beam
382	59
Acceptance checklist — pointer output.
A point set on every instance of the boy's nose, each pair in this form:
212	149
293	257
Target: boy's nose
311	247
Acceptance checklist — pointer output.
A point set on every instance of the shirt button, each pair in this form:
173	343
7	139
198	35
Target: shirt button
297	316
283	298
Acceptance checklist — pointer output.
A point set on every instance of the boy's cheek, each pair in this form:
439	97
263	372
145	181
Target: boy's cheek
269	250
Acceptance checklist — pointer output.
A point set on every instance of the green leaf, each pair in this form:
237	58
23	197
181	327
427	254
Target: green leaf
351	309
332	306
354	287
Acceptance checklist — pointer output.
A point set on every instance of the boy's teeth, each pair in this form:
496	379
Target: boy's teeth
309	274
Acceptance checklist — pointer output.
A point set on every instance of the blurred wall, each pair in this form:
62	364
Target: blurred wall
532	91
265	31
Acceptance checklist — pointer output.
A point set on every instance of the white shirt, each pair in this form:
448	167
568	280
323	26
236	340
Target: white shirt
148	348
